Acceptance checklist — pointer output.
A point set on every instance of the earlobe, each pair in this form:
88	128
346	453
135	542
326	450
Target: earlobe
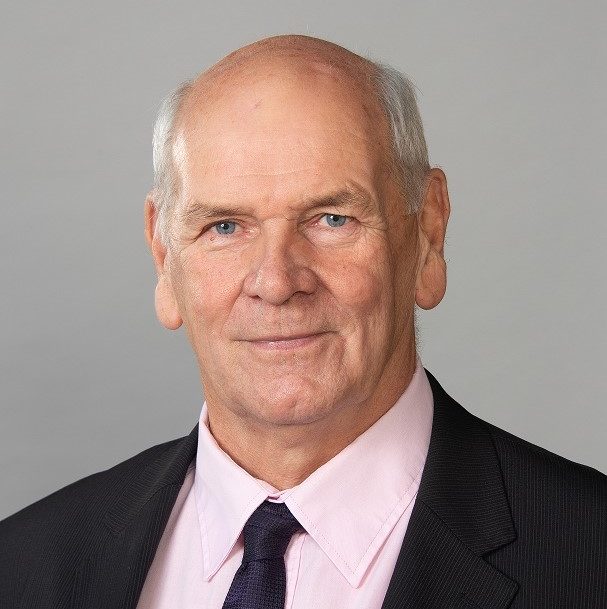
167	309
431	281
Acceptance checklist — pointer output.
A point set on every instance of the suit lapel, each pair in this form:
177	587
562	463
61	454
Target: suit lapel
460	514
115	574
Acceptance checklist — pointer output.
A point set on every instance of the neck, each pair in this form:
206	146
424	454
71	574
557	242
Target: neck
285	455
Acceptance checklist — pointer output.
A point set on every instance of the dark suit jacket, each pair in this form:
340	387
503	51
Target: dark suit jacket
498	522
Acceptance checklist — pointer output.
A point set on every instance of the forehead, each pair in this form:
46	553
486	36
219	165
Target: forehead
278	125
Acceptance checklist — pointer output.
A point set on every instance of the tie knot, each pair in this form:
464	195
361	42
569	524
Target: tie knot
268	531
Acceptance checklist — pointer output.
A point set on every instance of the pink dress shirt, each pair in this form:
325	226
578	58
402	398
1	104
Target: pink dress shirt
354	509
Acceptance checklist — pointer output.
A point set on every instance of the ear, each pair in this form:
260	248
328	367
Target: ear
431	282
167	310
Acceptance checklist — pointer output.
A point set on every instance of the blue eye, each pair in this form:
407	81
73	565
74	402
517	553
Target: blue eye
335	220
225	227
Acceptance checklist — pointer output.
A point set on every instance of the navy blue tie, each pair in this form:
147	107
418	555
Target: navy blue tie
260	581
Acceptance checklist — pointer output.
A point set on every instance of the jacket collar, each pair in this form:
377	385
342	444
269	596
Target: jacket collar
115	572
165	470
461	513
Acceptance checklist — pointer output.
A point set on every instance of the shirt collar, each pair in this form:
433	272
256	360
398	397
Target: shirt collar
348	506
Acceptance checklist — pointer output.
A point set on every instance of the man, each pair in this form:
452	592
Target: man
294	224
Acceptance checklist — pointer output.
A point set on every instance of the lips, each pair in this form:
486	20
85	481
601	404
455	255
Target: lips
277	343
275	337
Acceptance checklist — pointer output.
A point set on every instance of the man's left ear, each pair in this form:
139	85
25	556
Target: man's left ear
431	281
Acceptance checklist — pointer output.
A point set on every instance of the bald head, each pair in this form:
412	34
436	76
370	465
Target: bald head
295	50
265	81
270	70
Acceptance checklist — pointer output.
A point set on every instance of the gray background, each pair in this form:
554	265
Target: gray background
513	98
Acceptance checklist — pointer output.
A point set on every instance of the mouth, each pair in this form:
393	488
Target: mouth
285	343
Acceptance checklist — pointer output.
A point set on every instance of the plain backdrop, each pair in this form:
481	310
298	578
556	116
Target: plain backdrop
513	99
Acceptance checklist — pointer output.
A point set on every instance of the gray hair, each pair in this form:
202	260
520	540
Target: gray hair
397	97
410	153
166	179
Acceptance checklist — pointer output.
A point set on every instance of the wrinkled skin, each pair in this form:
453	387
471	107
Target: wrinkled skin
292	263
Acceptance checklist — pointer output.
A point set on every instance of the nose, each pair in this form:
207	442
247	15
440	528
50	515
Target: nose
280	266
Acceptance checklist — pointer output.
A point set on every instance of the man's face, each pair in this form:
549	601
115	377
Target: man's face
293	259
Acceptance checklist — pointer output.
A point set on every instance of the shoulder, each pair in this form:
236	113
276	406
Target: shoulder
66	522
90	493
559	511
532	476
538	476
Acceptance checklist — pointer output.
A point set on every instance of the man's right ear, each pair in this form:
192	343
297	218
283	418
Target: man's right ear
167	309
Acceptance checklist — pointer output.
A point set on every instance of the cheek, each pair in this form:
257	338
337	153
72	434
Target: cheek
208	290
359	290
363	289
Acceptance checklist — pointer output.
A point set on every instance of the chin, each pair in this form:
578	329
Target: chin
287	403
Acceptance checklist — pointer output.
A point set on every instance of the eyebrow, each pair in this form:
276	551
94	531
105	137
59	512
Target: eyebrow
198	211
